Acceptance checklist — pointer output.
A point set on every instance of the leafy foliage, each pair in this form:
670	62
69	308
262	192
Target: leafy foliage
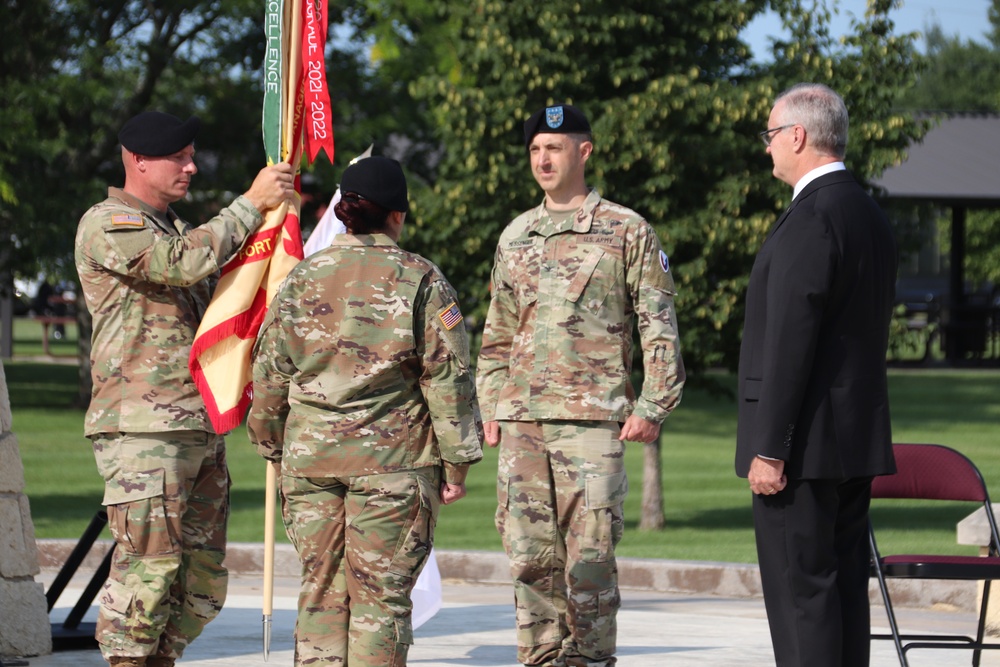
97	64
963	77
75	70
673	94
675	101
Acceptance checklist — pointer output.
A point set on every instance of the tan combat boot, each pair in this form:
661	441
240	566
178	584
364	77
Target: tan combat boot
127	661
159	661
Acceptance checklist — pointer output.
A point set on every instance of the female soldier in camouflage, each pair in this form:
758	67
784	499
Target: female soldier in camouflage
364	397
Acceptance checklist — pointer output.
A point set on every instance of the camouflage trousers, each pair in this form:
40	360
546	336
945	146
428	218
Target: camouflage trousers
560	490
362	542
167	498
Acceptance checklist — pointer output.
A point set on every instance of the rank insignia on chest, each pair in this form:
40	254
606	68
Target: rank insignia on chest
664	262
450	316
128	219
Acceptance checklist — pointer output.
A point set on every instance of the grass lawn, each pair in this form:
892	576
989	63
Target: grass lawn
707	507
28	339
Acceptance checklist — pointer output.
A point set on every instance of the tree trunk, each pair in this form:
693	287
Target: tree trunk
652	488
6	303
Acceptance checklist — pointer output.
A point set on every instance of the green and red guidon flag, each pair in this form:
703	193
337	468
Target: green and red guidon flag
297	119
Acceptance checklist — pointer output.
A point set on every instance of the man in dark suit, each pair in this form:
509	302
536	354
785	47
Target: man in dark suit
813	402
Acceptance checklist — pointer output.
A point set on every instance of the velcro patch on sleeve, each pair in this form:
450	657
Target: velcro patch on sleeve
127	219
450	316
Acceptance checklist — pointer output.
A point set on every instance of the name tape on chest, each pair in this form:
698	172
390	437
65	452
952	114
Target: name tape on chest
450	316
603	239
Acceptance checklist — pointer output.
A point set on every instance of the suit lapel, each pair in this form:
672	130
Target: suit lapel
784	215
814	185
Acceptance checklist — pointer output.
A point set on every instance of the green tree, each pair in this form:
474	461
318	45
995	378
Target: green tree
963	77
75	70
33	46
675	102
671	90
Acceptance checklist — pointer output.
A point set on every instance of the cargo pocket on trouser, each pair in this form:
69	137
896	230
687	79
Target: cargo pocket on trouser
593	599
417	535
147	558
500	516
604	522
412	550
388	542
136	513
113	618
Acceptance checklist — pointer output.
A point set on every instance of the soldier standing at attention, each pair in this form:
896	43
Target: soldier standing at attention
364	398
147	277
570	279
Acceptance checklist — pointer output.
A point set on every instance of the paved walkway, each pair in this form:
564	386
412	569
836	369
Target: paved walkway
475	628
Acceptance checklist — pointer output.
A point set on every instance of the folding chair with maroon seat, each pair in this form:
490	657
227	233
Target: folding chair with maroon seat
935	472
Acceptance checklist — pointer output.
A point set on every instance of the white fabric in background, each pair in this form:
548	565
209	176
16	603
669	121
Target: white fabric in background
329	225
426	594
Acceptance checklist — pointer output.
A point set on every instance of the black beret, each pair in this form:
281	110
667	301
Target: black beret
558	119
379	179
154	133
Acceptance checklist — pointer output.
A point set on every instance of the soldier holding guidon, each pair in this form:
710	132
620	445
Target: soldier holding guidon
147	277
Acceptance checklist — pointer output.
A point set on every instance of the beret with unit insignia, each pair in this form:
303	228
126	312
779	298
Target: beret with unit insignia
558	119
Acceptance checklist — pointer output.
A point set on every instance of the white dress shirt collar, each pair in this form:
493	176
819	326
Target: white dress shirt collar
816	173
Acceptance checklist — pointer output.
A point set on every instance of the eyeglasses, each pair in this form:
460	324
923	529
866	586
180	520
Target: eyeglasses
767	135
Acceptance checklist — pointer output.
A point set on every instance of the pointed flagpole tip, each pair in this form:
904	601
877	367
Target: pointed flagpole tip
267	636
367	153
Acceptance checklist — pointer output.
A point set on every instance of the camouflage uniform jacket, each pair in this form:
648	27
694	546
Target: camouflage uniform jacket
362	366
147	277
558	338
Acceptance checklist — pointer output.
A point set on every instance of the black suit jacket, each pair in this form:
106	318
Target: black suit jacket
812	372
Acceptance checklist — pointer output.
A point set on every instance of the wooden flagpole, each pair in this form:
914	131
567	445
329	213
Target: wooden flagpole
283	141
270	492
280	140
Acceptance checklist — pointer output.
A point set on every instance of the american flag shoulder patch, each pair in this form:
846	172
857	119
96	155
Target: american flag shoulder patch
450	316
127	219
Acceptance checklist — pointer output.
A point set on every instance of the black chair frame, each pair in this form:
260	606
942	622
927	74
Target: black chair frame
964	482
